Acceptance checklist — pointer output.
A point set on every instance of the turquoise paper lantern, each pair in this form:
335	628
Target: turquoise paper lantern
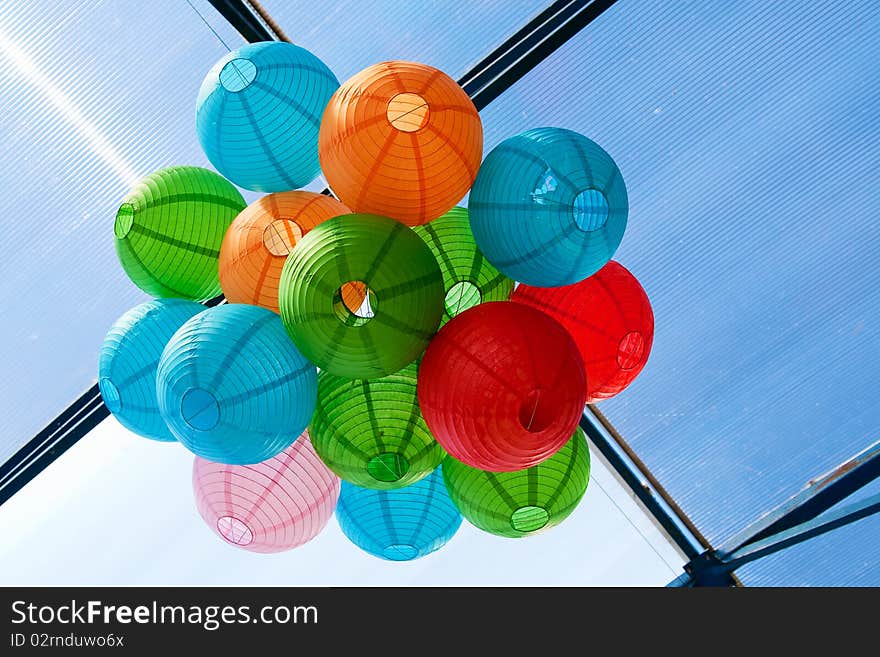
258	113
129	358
232	386
548	207
401	524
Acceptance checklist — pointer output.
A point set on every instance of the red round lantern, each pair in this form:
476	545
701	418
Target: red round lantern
610	318
501	386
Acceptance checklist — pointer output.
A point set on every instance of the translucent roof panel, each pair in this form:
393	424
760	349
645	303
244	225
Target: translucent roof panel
81	122
448	34
847	556
747	137
81	118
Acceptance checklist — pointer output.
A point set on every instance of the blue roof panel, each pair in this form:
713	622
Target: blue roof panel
747	136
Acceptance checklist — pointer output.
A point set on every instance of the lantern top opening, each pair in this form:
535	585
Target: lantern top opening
388	467
124	220
235	531
590	210
529	518
199	409
408	112
280	236
238	74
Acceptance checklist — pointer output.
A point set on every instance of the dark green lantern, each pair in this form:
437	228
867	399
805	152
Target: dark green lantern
361	295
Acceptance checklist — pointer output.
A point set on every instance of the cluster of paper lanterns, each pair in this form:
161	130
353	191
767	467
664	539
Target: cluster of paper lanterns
375	356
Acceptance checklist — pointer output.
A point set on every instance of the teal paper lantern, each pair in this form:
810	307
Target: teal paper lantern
233	388
548	207
129	358
402	524
258	113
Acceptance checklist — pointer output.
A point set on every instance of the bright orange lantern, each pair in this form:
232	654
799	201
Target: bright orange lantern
258	241
402	140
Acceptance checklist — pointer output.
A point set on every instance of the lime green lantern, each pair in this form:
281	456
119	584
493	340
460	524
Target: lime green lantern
524	502
371	433
361	295
468	278
169	228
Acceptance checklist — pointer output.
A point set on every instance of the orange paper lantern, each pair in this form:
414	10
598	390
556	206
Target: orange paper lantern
402	140
258	241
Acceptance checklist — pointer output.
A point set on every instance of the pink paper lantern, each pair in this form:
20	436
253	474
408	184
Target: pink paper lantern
271	506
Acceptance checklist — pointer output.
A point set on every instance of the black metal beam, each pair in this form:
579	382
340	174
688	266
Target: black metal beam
60	435
802	516
242	19
641	488
804	531
491	65
544	37
815	498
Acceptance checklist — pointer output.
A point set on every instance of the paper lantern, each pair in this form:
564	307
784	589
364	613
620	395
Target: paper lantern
169	228
258	114
468	277
375	259
233	388
402	524
271	506
610	318
259	240
525	502
501	386
129	358
402	140
548	207
371	433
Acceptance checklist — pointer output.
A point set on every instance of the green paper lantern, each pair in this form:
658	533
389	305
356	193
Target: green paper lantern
468	278
169	228
361	295
525	502
372	433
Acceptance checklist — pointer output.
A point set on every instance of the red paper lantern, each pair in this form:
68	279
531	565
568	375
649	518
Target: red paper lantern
502	386
610	318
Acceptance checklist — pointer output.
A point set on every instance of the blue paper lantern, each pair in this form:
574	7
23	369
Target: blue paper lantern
258	114
129	358
548	207
401	524
233	388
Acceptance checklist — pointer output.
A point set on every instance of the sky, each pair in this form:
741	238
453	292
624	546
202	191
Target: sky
745	132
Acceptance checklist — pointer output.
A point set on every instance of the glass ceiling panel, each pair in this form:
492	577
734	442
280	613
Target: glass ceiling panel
81	123
747	136
95	96
847	556
451	35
